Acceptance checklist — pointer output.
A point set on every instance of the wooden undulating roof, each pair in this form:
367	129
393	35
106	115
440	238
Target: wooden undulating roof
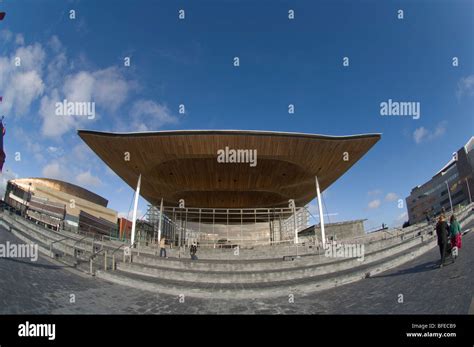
183	165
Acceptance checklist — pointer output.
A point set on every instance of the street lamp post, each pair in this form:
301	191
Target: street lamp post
449	195
468	190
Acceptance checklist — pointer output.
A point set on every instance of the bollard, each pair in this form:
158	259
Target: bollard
113	262
91	269
105	260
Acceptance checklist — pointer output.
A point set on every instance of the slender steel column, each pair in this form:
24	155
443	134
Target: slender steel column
321	217
159	223
135	206
294	223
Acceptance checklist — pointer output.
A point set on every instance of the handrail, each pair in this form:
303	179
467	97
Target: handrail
94	254
117	248
52	243
75	243
103	249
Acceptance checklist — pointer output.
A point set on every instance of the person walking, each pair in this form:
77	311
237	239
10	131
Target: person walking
442	231
455	233
193	250
163	247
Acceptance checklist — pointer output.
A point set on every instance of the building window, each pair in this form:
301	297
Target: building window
444	202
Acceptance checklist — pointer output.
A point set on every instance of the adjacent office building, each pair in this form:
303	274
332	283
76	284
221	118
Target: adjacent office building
61	205
450	187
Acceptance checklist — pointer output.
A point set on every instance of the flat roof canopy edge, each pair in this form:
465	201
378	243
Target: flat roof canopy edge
228	132
182	164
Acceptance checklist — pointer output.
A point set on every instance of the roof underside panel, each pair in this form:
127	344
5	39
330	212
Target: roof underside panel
183	165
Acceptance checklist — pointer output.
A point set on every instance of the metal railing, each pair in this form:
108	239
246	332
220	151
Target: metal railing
51	245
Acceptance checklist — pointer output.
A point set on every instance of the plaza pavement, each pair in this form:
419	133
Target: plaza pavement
45	287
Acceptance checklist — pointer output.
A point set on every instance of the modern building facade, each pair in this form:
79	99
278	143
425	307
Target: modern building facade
59	204
228	186
450	187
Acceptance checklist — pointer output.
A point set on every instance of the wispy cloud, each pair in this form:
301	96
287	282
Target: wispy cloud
465	86
149	115
423	134
374	204
55	170
87	179
391	197
22	84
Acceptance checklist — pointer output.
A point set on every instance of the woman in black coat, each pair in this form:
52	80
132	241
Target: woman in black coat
442	231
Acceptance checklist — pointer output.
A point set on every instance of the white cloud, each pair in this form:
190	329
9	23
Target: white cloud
55	151
419	134
32	57
32	146
148	115
56	69
55	44
110	88
23	89
374	204
391	197
78	87
32	81
54	126
87	179
422	134
54	170
21	84
107	88
19	39
466	86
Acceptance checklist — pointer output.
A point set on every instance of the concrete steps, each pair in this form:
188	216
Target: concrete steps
74	257
255	271
278	288
241	277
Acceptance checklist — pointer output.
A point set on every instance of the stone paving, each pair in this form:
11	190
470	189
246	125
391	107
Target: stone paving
45	287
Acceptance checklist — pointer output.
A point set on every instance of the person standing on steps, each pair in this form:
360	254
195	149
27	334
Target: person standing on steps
163	247
442	231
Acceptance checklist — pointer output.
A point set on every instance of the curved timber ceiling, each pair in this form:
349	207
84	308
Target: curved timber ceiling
183	165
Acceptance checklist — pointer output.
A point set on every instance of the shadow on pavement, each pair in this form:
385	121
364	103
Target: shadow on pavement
428	266
35	264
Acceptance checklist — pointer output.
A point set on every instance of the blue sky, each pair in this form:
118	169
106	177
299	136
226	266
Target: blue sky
282	62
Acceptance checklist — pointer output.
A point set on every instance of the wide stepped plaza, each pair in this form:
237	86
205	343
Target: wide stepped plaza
258	272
